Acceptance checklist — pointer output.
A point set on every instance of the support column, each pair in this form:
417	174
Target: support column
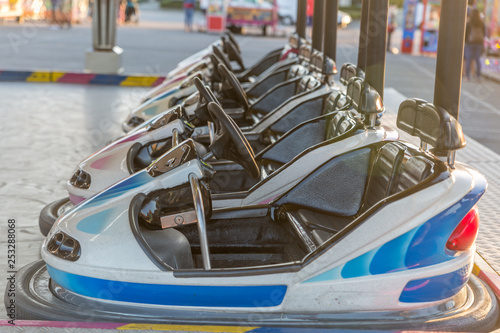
105	56
330	41
363	33
318	24
450	54
377	44
301	23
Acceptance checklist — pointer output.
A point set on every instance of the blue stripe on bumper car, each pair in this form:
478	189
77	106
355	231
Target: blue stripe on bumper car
435	288
176	295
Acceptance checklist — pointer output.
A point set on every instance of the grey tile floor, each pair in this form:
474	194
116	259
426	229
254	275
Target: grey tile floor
45	130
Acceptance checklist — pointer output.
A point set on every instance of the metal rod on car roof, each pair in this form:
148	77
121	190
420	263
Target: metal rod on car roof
301	23
330	41
377	44
449	62
363	33
318	25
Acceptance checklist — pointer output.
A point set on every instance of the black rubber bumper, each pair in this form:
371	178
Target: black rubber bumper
49	215
36	301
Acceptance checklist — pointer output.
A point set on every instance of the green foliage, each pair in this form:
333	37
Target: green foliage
171	4
354	11
398	3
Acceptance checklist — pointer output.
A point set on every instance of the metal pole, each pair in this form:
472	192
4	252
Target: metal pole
377	44
363	32
450	55
104	24
318	25
202	224
301	18
331	12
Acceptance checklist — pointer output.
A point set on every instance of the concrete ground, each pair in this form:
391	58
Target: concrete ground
154	46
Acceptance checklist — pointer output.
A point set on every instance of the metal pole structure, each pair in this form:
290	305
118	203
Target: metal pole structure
330	42
301	18
318	25
450	55
105	56
363	33
377	44
104	25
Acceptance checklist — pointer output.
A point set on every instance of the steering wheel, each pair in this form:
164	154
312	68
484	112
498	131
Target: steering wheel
215	75
229	143
200	215
230	35
201	111
217	51
233	82
232	52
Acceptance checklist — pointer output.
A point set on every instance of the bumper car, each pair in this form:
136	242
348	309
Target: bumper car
228	50
174	91
302	86
344	121
378	236
231	47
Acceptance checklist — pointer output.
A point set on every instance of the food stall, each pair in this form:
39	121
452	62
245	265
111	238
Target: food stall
216	16
11	9
256	13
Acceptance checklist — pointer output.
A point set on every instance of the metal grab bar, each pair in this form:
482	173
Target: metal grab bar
202	225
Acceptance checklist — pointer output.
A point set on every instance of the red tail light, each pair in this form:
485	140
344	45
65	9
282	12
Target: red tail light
465	233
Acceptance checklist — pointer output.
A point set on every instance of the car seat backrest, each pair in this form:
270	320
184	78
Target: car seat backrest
347	71
432	124
382	174
364	99
353	91
413	172
296	70
294	41
322	67
345	124
305	53
331	103
339	123
307	83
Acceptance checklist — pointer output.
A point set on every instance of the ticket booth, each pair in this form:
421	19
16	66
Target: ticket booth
216	15
430	26
409	25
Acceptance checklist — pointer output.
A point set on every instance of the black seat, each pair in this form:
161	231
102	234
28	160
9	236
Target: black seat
321	70
413	172
432	124
382	174
349	71
309	134
292	69
388	174
334	124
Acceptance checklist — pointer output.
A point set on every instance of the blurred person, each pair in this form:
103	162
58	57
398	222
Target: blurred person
204	6
66	12
309	15
391	26
310	12
475	32
122	5
54	7
129	10
188	14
